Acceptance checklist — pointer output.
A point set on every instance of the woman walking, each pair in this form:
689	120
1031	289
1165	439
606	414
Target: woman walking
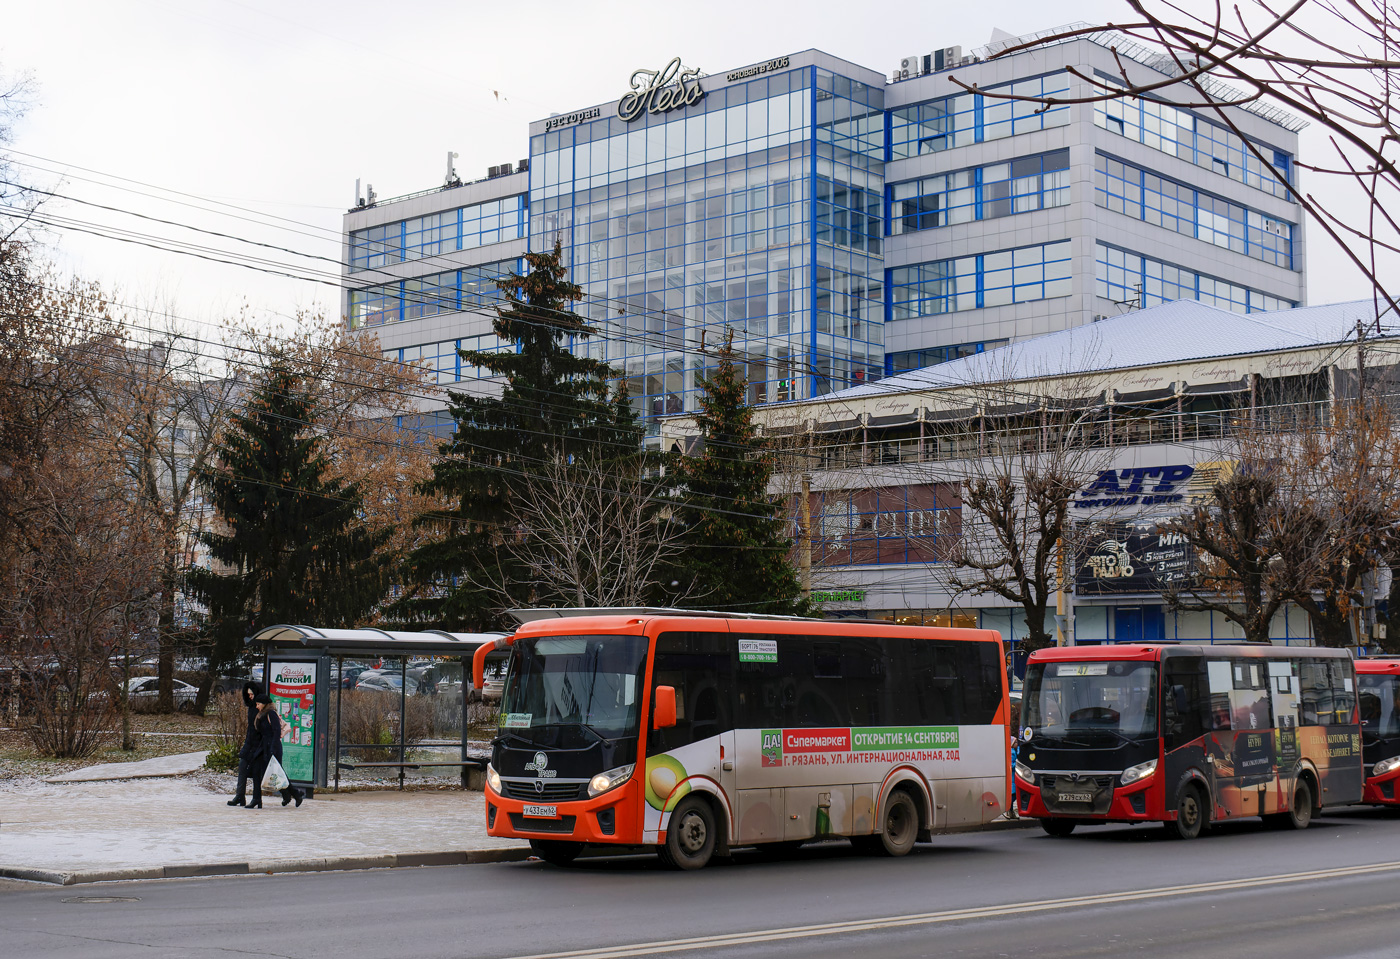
268	725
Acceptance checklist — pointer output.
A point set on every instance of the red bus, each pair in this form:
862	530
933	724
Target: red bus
1378	692
1187	735
693	733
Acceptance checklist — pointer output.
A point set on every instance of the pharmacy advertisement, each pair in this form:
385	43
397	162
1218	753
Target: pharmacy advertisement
293	692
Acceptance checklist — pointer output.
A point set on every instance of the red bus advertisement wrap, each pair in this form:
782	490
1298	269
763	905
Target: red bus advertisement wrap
698	733
1187	735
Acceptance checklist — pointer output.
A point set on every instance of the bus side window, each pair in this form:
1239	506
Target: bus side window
1315	697
1343	691
700	667
767	692
1186	710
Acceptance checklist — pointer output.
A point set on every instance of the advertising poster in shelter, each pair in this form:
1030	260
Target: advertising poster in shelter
293	692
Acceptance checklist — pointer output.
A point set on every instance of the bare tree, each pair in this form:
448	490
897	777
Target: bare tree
592	532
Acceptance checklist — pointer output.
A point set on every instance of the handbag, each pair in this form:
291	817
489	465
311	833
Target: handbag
275	779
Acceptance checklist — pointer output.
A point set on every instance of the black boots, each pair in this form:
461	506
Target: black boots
238	801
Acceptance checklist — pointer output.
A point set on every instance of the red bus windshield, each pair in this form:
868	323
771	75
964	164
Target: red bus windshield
567	690
1088	702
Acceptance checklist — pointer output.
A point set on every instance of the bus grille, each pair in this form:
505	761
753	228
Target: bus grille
553	791
564	824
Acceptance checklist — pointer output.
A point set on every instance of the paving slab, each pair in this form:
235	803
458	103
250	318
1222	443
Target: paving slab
177	765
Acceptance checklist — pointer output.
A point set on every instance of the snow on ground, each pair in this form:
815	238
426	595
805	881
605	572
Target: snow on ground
142	823
176	765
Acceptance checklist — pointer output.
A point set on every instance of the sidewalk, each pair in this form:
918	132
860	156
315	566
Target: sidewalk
161	828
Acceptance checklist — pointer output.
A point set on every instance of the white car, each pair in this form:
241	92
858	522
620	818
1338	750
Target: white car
145	689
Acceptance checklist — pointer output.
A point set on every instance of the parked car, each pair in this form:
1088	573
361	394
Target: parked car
386	683
144	690
348	677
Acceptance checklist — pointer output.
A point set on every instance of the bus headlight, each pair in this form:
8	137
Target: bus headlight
1385	766
493	779
1138	773
1024	774
602	782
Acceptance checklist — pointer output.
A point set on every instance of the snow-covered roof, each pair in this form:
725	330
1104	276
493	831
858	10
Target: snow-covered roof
369	639
1176	332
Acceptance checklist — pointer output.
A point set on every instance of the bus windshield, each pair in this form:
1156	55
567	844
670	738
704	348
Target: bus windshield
1085	703
1380	704
589	683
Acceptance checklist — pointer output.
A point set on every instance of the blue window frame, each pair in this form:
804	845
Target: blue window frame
980	193
972	118
463	289
1144	195
908	360
1018	275
437	234
1131	278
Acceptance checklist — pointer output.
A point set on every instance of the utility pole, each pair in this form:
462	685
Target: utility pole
1064	609
1360	363
804	542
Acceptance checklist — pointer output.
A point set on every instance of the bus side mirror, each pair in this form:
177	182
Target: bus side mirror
663	713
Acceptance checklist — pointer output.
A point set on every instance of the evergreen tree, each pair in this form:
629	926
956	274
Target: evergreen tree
291	536
736	554
554	405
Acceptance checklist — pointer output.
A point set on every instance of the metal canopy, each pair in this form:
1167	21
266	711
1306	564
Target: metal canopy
352	642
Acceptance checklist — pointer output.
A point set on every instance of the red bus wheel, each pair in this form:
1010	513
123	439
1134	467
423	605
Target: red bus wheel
1191	813
1059	828
556	852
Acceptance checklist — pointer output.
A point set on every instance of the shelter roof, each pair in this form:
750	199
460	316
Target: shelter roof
368	639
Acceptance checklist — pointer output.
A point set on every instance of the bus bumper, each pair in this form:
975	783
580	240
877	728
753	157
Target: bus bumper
601	820
1383	790
1132	803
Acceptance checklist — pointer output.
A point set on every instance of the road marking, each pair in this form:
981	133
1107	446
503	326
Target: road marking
728	940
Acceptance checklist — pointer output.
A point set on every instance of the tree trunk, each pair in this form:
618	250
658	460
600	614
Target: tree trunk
165	638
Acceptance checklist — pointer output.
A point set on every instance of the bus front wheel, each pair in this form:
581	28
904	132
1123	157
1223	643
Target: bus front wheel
1059	828
690	839
556	852
1191	813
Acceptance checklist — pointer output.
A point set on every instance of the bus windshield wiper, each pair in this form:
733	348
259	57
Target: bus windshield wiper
502	737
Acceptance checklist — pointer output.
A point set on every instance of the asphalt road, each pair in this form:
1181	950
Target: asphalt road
1106	892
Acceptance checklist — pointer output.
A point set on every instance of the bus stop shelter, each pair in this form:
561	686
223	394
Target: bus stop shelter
415	716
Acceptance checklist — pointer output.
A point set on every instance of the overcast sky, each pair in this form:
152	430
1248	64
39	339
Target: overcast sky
274	109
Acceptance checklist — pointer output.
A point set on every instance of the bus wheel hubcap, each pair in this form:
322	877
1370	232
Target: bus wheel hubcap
693	833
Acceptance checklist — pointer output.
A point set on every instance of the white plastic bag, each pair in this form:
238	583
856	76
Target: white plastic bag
275	779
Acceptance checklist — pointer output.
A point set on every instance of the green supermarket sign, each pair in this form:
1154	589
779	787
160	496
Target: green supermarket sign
844	596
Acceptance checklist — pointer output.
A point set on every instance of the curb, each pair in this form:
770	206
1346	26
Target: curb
468	857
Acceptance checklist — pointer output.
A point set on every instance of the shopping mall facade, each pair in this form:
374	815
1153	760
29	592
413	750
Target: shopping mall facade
844	224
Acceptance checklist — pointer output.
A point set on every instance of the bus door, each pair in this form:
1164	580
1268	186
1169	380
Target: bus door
1283	694
698	752
1185	725
1251	717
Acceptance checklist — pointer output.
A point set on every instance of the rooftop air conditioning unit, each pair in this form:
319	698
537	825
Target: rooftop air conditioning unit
523	165
913	66
494	171
947	58
506	169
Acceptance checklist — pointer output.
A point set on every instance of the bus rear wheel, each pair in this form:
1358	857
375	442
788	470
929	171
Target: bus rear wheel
1191	813
1059	828
901	824
1300	816
690	839
556	852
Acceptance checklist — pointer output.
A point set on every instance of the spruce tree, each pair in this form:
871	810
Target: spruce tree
290	534
554	404
737	551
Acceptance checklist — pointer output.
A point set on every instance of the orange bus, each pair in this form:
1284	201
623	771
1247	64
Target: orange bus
1186	735
1378	688
693	733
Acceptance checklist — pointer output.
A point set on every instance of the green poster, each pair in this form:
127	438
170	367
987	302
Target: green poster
293	692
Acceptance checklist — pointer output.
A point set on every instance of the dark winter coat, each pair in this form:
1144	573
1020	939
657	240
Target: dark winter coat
268	726
250	689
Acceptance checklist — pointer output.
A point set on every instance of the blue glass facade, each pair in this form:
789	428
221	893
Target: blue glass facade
756	210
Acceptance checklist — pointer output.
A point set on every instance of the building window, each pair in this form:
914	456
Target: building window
437	234
980	193
971	118
445	362
918	359
1131	279
976	282
1143	195
1181	133
450	292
